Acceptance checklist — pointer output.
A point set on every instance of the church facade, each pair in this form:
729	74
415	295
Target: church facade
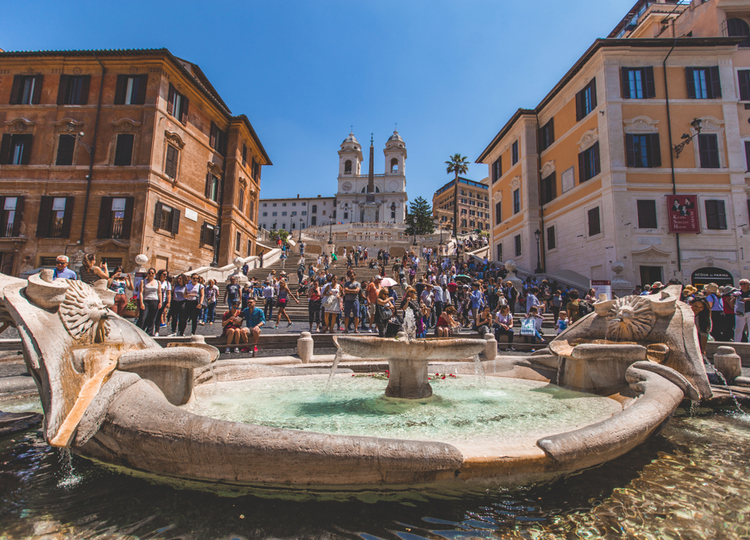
372	197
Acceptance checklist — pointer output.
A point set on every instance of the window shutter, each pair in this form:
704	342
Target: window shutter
690	82
747	155
5	149
124	150
202	239
715	82
45	212
170	100
579	106
170	168
127	223
68	219
26	157
596	166
65	148
142	87
744	79
175	221
592	85
157	216
655	150
625	82
185	107
207	191
120	89
630	149
15	90
62	89
582	168
85	84
212	140
19	217
649	86
37	97
105	218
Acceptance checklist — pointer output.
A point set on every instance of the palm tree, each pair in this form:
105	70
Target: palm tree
460	165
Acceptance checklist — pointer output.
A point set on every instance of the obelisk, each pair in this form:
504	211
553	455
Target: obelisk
370	214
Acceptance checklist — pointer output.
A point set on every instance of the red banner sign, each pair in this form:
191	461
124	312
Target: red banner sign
683	214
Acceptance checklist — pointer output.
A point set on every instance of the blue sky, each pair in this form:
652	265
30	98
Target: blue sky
450	74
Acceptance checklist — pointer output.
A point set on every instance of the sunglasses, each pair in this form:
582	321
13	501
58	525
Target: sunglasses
60	262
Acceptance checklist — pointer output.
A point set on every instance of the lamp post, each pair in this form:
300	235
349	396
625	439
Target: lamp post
301	224
678	148
538	235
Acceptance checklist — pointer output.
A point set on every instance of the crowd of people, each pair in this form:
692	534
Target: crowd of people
441	293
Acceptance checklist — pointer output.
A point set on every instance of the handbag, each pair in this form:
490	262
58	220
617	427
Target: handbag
528	327
385	313
330	301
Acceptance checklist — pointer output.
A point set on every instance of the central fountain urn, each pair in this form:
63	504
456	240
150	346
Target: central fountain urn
408	359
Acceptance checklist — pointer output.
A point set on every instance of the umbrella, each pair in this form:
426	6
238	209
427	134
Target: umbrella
388	282
463	278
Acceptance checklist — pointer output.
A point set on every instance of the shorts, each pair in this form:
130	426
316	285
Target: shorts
351	309
371	309
282	302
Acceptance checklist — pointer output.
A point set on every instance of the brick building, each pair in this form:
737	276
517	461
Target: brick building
121	152
473	205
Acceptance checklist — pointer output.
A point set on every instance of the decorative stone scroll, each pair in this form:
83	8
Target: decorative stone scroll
641	124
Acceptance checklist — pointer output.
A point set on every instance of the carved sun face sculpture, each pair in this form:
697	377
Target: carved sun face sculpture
84	314
630	319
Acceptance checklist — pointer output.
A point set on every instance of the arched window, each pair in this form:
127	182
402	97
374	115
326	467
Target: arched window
283	226
394	165
348	166
314	208
364	189
737	28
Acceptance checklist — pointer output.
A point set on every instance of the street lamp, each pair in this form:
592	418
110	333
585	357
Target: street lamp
301	224
678	148
538	235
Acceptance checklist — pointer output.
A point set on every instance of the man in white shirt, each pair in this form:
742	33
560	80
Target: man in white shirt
268	294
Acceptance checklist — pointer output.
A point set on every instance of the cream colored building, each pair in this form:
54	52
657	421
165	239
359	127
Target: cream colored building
593	168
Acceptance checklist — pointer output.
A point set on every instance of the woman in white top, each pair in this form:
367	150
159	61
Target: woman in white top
166	299
149	297
332	304
504	325
194	293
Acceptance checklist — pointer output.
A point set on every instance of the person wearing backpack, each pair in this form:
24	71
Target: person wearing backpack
574	306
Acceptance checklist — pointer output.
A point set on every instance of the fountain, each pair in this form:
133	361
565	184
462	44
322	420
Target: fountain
112	394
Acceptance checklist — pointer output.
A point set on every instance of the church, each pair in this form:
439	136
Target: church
368	198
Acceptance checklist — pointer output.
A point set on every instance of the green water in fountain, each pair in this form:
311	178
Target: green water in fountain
461	408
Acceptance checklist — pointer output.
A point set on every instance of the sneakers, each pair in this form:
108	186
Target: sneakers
227	351
236	349
173	334
288	324
255	350
276	327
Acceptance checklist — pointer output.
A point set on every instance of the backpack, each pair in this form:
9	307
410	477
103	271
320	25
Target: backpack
584	308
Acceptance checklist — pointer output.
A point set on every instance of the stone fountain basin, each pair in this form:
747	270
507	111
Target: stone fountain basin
142	431
424	349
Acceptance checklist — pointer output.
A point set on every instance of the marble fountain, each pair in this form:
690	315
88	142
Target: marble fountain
111	394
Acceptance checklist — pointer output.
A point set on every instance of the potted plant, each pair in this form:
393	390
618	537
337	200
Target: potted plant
131	309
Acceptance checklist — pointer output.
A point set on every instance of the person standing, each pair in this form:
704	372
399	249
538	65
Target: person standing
313	305
211	295
742	310
332	304
178	303
194	294
149	297
90	272
373	291
717	311
351	302
232	291
268	294
119	283
284	294
61	269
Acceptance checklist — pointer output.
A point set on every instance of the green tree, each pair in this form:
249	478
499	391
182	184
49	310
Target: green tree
457	164
419	219
275	234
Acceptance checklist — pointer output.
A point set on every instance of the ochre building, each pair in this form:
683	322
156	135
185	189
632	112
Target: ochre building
593	183
473	206
121	152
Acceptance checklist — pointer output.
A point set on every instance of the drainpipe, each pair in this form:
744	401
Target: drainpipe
93	151
217	237
542	254
671	151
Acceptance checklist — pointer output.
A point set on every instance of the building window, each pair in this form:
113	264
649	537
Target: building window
66	145
638	83
588	163
346	215
249	248
313	221
265	214
643	150
283	204
586	100
716	217
514	153
218	139
739	28
647	214
304	204
304	212
703	83
273	204
499	252
255	170
208	232
241	203
294	213
124	149
115	217
237	241
177	105
55	216
314	208
212	187
166	218
516	200
549	188
170	164
708	148
15	149
131	89
73	90
283	213
26	90
274	213
595	226
547	135
11	210
517	242
551	238
497	169
244	155
265	205
744	79
498	212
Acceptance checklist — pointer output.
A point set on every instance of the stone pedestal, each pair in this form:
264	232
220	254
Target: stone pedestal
370	212
490	349
728	363
408	378
305	345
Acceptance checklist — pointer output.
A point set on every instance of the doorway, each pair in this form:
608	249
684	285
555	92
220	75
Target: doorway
6	263
650	274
